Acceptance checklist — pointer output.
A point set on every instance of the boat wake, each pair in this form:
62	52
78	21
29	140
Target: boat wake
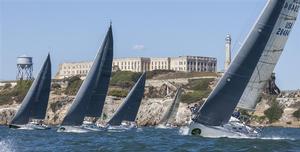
6	146
276	138
163	127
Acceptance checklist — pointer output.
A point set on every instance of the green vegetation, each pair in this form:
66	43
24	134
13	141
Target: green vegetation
74	84
274	113
199	84
124	79
151	74
297	114
200	89
258	119
118	92
192	97
104	116
165	74
17	93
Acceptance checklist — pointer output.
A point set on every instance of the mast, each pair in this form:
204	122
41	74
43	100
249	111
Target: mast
90	98
268	35
34	105
129	108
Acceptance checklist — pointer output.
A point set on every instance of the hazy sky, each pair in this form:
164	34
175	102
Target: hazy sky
74	30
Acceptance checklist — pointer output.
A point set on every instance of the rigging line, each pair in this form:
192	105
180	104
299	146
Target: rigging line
250	18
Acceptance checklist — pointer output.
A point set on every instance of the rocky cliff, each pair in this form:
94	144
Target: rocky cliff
159	93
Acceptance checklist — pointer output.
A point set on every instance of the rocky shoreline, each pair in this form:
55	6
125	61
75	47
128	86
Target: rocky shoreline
157	98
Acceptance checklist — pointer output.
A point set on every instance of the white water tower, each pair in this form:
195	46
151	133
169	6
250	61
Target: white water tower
24	68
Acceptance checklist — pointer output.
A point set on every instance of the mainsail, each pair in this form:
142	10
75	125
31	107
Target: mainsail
34	105
170	115
90	98
253	64
129	108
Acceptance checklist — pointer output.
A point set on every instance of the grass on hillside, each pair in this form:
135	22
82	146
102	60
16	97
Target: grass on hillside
124	79
274	113
17	93
74	84
200	89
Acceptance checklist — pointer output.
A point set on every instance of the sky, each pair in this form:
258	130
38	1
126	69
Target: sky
74	30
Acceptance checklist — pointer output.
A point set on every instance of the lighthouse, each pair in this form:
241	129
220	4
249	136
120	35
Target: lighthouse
227	52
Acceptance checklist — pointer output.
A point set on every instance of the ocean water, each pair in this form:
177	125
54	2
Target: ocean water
144	139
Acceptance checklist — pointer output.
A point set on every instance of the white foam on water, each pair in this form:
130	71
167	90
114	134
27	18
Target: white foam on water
160	126
184	130
139	130
6	146
276	138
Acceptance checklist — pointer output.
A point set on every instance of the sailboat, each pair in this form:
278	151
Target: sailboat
32	111
171	112
126	114
248	73
91	96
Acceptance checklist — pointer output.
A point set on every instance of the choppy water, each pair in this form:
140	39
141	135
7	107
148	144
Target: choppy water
143	139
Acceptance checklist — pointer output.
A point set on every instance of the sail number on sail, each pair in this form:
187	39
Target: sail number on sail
292	6
285	31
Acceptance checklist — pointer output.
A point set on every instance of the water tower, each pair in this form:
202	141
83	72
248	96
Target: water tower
24	68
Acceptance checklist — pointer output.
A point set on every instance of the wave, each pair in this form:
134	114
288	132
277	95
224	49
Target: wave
276	138
6	146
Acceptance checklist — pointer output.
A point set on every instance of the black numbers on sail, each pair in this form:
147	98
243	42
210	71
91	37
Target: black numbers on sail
289	25
283	32
292	6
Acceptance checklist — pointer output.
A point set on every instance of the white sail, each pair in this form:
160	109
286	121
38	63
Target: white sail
270	56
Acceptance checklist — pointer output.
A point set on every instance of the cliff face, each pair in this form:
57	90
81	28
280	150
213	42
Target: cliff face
150	113
289	101
159	93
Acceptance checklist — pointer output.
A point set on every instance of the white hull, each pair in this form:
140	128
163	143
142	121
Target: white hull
30	126
93	127
230	130
123	126
80	129
73	129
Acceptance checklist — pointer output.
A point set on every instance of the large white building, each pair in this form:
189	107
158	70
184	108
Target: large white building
141	64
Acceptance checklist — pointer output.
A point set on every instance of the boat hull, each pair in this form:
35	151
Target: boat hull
29	127
93	127
230	130
80	129
72	129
